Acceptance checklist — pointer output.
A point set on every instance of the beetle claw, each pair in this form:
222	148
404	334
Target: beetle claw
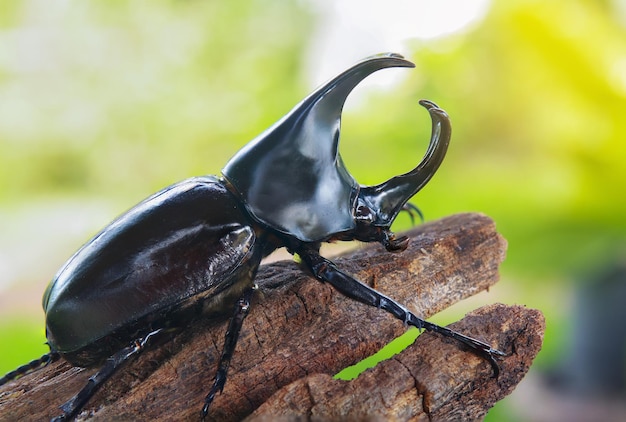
288	187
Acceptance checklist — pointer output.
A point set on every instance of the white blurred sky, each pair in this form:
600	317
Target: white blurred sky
349	30
346	31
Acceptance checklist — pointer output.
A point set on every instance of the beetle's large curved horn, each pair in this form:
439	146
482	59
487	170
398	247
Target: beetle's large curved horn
310	129
291	177
388	198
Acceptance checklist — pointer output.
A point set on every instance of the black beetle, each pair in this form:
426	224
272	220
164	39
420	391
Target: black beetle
194	247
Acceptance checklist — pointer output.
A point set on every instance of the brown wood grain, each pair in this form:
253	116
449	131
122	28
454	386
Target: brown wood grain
433	379
298	327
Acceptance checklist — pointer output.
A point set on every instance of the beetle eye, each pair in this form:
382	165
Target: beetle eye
364	214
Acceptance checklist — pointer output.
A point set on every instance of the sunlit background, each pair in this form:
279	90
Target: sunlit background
103	103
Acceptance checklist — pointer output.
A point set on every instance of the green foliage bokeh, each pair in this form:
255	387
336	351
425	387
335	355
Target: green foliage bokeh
110	101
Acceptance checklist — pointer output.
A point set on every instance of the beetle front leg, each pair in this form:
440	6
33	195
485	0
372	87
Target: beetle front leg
73	405
326	271
232	335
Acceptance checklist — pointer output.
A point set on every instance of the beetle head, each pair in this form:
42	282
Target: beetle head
292	179
378	206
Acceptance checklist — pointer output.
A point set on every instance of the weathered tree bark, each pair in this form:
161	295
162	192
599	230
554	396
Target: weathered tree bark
433	379
300	332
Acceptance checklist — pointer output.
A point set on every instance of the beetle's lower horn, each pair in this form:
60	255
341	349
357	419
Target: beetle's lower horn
389	197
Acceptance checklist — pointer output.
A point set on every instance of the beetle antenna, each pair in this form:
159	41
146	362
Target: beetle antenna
412	210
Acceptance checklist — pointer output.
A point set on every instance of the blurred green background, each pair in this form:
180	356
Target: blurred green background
103	103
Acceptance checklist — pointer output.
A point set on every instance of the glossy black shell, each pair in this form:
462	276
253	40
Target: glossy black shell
195	246
171	256
292	177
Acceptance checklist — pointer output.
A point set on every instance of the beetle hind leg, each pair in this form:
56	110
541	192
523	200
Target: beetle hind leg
76	403
326	271
31	366
232	335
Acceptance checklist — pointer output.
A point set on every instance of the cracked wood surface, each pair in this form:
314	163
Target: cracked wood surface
300	332
433	379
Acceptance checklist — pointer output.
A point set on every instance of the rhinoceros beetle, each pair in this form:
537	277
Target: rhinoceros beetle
194	247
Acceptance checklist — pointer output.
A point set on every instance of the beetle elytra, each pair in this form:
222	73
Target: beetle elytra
194	247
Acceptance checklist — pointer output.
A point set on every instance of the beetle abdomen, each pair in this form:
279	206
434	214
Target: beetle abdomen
190	239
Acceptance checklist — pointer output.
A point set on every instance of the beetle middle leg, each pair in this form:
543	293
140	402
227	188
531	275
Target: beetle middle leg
232	335
73	405
326	271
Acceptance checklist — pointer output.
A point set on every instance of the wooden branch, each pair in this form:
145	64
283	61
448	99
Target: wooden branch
298	326
433	379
